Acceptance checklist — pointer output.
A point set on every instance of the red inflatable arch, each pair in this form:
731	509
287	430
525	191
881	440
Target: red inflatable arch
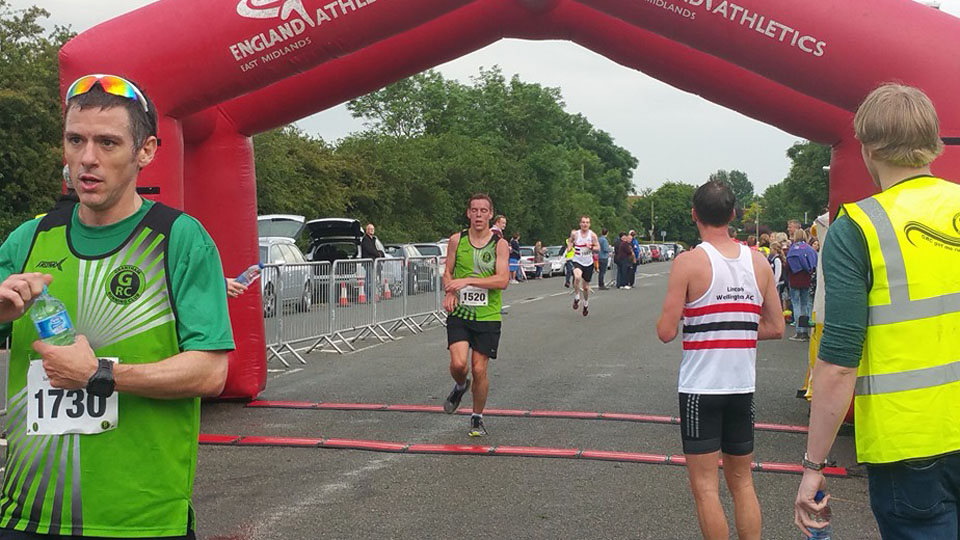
221	71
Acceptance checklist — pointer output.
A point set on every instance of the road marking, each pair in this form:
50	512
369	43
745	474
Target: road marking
559	294
528	300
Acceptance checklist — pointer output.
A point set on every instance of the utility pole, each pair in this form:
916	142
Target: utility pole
651	220
758	222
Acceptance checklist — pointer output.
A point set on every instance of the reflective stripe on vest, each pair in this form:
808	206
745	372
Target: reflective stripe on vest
908	382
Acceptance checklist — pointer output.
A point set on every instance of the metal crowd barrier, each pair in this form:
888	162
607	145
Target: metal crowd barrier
331	306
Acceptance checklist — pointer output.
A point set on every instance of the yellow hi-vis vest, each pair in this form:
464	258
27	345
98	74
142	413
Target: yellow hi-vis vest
907	397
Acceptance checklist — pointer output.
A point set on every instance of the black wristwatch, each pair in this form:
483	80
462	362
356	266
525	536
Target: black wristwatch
101	384
807	464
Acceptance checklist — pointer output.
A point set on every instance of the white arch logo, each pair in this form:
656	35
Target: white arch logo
271	9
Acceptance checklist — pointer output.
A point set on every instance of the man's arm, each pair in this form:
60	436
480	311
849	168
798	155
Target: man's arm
672	312
846	272
185	375
450	299
596	243
771	315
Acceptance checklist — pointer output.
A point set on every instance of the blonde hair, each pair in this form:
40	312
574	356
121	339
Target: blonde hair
800	235
775	248
780	237
899	125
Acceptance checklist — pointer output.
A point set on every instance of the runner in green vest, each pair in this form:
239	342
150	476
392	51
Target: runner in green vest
473	278
103	433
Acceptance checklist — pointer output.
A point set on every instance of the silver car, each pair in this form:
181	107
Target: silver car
289	283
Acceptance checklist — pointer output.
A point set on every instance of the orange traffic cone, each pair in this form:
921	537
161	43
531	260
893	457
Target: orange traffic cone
386	290
361	296
343	295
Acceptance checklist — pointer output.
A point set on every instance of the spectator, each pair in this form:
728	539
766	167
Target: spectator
370	249
625	261
568	263
369	244
632	271
752	242
518	275
539	253
765	244
799	278
499	224
603	258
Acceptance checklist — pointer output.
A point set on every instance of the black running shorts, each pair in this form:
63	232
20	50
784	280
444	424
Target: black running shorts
717	422
587	271
483	336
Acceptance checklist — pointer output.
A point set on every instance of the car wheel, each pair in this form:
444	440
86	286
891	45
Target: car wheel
269	301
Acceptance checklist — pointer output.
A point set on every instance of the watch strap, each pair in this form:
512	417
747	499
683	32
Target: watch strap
812	465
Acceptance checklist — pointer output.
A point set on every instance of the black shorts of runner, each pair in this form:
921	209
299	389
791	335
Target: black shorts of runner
717	422
587	271
483	336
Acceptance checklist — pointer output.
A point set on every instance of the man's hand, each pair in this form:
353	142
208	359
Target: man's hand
235	288
18	292
68	367
812	482
455	285
450	302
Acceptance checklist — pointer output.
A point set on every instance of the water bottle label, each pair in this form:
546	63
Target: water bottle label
53	325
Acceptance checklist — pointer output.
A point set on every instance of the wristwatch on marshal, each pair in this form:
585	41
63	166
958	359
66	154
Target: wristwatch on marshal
101	384
813	466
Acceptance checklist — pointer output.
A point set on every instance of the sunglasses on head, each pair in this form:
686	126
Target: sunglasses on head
111	84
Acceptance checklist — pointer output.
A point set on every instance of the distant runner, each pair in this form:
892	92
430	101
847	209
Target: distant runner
473	279
585	244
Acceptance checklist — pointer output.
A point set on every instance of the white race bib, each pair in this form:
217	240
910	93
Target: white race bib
55	411
473	296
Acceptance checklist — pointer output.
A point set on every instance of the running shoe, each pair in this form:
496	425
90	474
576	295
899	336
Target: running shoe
476	427
585	311
452	403
576	304
796	337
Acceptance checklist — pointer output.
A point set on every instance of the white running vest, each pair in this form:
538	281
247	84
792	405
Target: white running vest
582	243
720	329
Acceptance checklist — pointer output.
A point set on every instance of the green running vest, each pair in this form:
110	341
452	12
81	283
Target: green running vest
477	262
137	479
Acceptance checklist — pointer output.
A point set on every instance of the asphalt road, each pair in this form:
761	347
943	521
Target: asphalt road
550	358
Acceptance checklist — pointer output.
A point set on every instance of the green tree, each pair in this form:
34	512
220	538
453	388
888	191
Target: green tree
671	205
741	185
431	142
30	109
805	190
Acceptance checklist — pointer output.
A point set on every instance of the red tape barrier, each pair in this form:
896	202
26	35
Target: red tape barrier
461	449
572	415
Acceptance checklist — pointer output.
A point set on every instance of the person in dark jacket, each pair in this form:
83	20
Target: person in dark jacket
368	244
369	250
625	260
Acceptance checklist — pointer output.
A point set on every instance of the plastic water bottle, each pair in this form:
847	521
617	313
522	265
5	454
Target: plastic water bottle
51	320
826	531
250	274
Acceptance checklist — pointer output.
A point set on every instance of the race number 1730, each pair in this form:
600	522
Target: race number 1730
57	411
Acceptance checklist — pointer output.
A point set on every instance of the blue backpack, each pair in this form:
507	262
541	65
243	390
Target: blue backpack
801	258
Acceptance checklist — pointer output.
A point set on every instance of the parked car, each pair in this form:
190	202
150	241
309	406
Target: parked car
645	254
288	285
433	249
553	261
419	272
526	261
654	252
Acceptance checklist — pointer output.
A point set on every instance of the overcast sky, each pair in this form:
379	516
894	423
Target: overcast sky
674	135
